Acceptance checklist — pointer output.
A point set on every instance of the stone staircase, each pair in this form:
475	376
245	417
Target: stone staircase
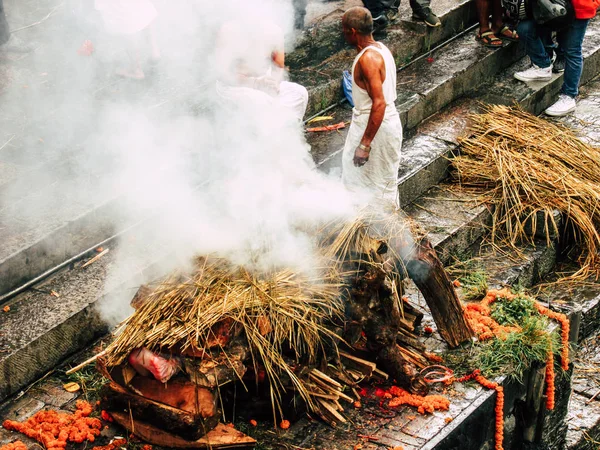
434	96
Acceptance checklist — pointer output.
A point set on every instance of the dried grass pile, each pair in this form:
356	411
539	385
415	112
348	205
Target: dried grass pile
528	168
299	309
181	312
374	226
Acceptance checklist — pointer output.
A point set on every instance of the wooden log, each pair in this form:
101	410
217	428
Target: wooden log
426	270
178	393
332	410
215	372
141	296
187	425
407	339
361	365
221	437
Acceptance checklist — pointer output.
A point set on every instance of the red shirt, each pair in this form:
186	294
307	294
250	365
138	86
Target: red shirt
585	9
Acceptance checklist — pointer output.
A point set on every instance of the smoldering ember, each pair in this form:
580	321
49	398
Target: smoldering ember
299	224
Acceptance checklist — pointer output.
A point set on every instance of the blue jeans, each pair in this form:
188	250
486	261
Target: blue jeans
536	38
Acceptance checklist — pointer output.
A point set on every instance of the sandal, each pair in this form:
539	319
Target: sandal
507	34
489	39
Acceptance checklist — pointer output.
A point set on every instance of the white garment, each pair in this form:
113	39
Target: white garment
247	47
126	16
289	104
379	176
294	97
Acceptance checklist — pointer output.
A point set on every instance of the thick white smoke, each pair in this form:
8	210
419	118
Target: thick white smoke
213	175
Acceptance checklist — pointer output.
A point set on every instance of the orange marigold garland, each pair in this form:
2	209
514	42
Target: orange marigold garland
53	429
424	404
478	315
117	443
17	445
499	409
565	328
550	381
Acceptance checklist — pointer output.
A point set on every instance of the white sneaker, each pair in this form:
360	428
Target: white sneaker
562	107
535	73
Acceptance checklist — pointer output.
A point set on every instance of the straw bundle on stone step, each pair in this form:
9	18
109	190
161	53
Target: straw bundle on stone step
529	168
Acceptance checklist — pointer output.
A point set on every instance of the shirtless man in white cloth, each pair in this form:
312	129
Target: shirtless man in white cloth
371	157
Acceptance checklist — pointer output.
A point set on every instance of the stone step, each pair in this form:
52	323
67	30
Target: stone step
583	419
321	54
584	423
425	154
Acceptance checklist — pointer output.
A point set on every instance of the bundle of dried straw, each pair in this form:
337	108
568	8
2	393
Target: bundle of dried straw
528	168
182	310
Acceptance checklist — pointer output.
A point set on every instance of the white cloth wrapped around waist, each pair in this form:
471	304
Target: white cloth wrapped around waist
390	109
378	178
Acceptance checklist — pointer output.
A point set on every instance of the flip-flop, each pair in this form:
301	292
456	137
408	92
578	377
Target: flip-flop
514	37
487	38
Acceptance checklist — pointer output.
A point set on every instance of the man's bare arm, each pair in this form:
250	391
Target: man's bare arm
372	74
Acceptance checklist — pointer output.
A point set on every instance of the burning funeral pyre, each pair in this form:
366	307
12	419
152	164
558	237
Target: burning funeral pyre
303	340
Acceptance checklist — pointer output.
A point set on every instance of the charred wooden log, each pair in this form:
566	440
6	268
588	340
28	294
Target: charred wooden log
183	423
221	436
222	368
373	305
427	272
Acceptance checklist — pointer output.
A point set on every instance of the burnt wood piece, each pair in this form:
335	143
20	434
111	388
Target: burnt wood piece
188	426
178	393
221	437
373	305
427	272
212	373
141	296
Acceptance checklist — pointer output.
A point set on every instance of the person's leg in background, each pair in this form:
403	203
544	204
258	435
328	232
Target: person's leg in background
570	41
485	34
4	33
541	64
499	27
422	11
378	9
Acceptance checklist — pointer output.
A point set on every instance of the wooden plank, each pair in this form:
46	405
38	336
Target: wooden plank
363	366
221	437
189	426
326	378
332	409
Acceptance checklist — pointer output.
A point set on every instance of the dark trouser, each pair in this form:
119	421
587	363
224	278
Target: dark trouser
378	7
570	39
299	13
4	34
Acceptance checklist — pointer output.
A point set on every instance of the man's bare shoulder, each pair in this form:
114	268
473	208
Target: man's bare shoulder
371	59
371	63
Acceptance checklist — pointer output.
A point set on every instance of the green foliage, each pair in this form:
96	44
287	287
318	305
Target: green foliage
90	381
514	354
474	285
515	311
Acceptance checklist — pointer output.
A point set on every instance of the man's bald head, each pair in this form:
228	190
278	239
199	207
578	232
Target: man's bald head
360	19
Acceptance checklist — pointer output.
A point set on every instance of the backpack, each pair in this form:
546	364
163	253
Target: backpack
553	14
